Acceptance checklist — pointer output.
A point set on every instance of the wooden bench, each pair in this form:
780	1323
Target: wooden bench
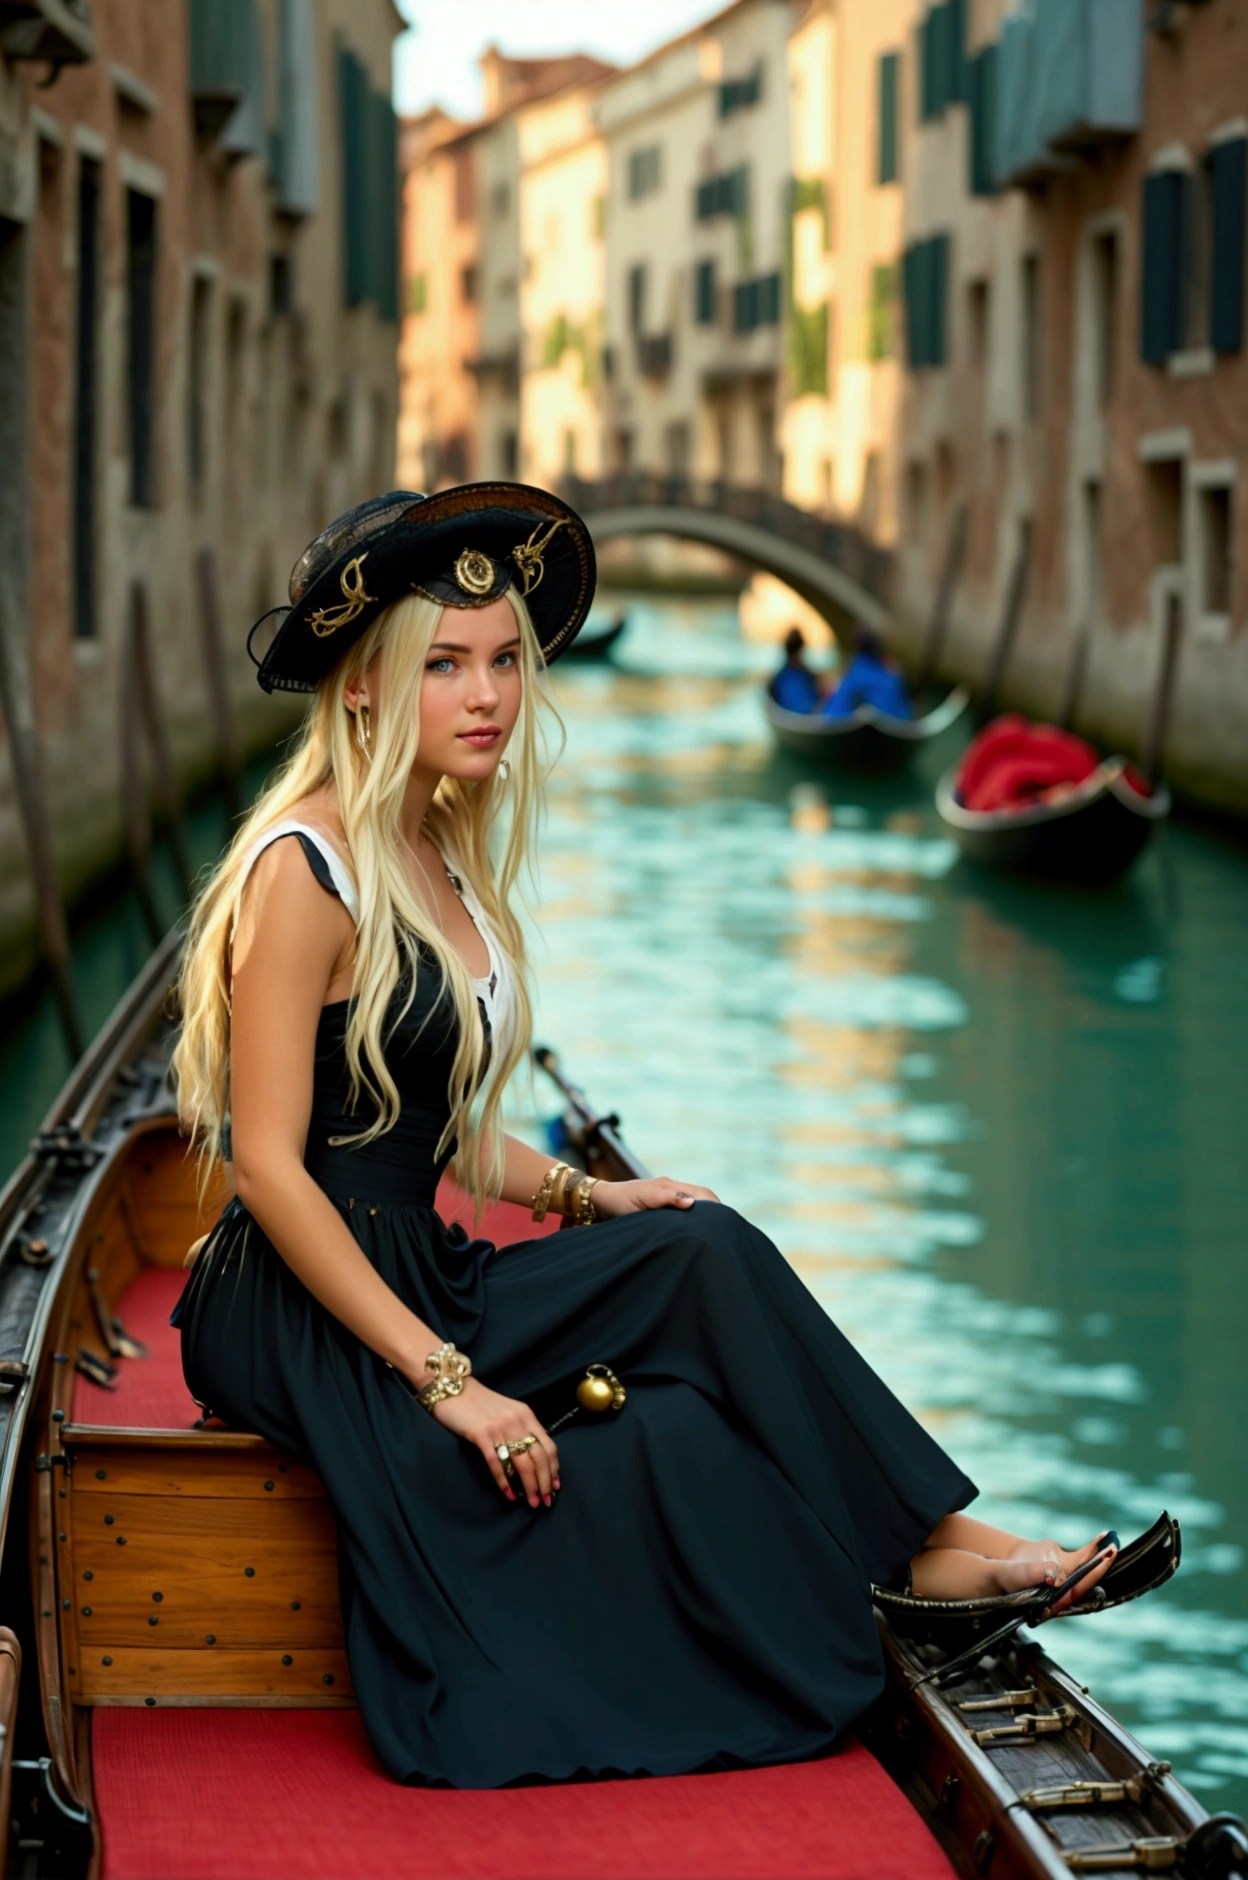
183	1566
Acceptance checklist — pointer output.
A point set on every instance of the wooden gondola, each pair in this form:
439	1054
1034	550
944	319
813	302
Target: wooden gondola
175	1697
866	739
1090	833
596	643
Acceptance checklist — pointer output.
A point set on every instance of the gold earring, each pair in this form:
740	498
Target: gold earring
504	770
364	730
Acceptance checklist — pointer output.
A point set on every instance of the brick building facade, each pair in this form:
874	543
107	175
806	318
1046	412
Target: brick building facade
198	293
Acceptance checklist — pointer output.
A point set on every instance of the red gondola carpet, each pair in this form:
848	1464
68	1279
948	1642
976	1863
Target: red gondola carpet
297	1795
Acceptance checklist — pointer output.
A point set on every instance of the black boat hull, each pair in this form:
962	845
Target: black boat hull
1093	835
867	740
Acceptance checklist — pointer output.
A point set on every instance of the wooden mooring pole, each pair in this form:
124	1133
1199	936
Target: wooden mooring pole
1152	751
17	684
228	743
950	575
142	719
1011	615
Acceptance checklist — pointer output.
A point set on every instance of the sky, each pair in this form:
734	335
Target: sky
435	61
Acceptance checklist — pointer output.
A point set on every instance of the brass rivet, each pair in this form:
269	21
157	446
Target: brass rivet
295	1605
58	1416
282	1467
86	1612
121	1540
60	1537
152	1619
101	1475
109	1519
158	1597
372	1210
67	1603
250	1572
210	1638
106	1661
150	1702
62	1492
268	1488
328	1678
88	1575
287	1659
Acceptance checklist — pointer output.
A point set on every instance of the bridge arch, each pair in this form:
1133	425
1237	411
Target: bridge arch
843	576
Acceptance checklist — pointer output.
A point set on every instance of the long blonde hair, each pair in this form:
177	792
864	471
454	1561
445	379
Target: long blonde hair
394	924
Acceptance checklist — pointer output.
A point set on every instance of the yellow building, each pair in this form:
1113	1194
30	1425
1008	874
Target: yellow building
848	85
563	211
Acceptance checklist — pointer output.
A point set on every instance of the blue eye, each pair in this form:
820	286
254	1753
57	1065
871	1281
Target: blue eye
505	659
444	664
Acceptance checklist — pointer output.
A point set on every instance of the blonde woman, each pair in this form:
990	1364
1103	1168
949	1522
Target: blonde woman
685	1585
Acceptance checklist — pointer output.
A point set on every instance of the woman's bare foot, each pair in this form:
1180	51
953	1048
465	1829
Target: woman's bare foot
1061	1562
958	1573
953	1573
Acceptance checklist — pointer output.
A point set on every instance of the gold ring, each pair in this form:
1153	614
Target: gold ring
504	1455
520	1445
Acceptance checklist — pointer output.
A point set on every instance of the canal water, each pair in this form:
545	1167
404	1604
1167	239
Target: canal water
998	1129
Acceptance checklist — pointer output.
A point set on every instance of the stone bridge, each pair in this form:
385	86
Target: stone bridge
845	577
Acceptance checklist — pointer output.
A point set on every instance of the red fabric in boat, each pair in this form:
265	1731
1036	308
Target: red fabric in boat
150	1393
298	1795
1013	762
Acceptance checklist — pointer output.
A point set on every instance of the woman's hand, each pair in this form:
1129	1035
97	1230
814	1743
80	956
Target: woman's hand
657	1191
486	1420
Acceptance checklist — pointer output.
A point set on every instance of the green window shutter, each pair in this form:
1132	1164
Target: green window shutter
745	306
769	300
1161	283
704	293
385	184
955	52
704	200
1226	295
886	169
297	169
981	90
938	288
353	116
927	69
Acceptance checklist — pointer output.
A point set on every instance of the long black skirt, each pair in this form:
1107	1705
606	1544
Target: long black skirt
698	1597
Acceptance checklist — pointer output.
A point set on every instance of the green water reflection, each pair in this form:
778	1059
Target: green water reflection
997	1129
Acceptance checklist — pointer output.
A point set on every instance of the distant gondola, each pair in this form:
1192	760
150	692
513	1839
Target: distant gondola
1091	833
865	739
591	644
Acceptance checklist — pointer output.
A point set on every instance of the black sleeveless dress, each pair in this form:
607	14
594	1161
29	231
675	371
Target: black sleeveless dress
698	1598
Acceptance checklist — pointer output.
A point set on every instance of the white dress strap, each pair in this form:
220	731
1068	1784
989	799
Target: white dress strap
333	861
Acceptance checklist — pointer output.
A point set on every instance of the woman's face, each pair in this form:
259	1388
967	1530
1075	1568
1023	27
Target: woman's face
470	695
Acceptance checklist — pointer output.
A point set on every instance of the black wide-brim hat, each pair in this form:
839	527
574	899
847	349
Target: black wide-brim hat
463	547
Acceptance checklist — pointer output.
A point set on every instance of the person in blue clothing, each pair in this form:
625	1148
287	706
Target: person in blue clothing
795	687
870	679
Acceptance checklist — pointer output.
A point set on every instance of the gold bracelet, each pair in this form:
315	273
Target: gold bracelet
451	1370
542	1199
582	1210
564	1183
